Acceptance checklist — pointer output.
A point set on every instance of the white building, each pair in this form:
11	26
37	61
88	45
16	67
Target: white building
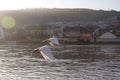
108	37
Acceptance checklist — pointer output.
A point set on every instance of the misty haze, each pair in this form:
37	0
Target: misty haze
59	40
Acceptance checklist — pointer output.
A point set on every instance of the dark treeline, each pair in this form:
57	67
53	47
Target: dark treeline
37	16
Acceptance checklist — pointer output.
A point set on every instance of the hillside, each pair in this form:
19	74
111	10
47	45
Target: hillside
38	16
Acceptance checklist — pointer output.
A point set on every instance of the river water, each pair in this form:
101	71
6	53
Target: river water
74	62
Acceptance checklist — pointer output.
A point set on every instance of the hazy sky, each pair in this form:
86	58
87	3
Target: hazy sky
91	4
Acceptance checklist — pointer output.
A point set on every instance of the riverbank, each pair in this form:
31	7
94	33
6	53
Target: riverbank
40	42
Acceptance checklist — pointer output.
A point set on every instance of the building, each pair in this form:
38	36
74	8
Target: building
108	37
85	35
72	32
55	30
36	32
79	34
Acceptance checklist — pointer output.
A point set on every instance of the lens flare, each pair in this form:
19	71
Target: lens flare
8	22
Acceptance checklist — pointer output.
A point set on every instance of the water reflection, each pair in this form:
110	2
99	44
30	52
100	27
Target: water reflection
74	62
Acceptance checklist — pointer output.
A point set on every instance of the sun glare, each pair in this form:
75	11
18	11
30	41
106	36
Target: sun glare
94	4
21	4
8	22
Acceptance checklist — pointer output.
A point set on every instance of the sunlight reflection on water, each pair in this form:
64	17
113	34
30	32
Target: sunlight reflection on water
74	62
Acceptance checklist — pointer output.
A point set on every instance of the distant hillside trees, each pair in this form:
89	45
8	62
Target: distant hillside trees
37	16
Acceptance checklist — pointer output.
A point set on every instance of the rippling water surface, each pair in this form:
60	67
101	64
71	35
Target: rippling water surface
74	62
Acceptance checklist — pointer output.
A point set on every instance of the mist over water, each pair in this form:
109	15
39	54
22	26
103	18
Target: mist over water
74	62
